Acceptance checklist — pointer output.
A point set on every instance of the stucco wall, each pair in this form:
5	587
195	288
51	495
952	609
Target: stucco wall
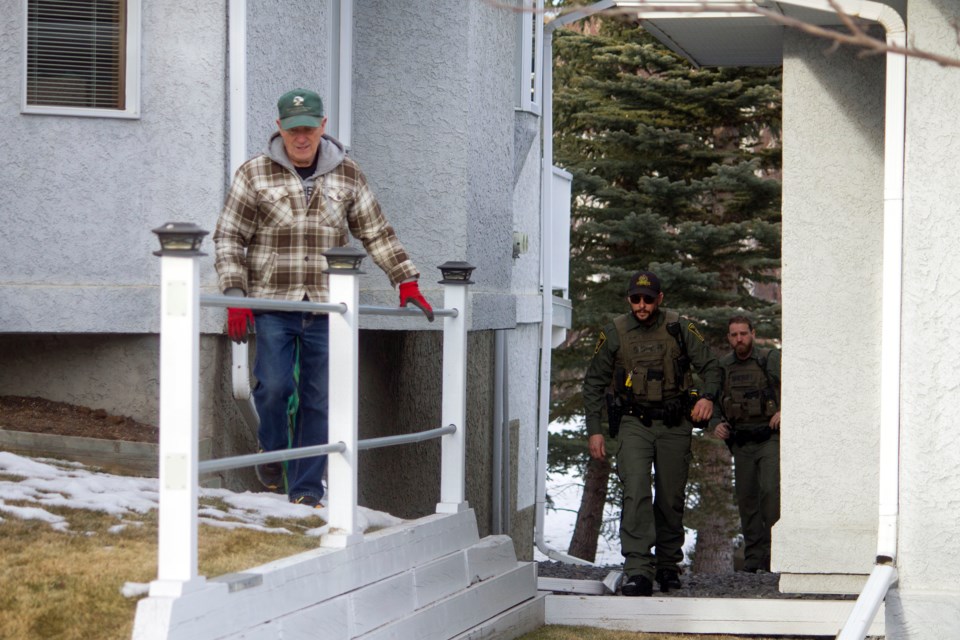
524	342
927	601
832	238
75	255
433	131
286	50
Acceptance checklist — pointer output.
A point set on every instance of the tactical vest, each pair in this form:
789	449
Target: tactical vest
649	359
748	394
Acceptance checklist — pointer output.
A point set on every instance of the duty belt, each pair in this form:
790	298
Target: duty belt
670	412
744	436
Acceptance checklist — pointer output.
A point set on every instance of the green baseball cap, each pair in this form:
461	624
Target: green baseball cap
300	108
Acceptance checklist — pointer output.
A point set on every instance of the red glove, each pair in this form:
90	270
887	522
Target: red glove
410	292
239	322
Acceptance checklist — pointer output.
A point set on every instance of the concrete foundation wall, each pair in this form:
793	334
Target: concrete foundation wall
120	374
406	398
400	393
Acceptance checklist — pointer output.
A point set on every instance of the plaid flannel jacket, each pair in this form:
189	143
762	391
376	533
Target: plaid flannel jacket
270	240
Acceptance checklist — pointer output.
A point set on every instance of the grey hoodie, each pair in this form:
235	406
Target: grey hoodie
330	154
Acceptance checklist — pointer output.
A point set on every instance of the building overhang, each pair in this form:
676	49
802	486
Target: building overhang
729	33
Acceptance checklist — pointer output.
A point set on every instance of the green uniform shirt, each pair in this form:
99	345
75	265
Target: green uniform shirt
600	372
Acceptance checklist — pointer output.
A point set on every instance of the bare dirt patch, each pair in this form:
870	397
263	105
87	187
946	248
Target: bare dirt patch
38	415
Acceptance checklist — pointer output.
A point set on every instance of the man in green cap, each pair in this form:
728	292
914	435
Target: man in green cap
284	209
748	418
643	363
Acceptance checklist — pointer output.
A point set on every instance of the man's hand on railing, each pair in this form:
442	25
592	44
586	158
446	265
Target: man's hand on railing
239	323
410	292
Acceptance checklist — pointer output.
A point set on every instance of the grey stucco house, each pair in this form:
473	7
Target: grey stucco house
437	101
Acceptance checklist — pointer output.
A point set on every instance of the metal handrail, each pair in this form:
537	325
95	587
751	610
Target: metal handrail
374	310
238	302
270	305
252	459
249	460
406	438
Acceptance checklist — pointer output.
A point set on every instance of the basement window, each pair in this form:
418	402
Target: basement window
82	58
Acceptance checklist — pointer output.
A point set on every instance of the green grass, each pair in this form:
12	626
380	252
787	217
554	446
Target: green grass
67	584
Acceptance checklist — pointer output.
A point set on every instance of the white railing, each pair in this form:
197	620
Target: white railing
179	402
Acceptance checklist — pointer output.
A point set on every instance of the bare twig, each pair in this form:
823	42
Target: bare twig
857	37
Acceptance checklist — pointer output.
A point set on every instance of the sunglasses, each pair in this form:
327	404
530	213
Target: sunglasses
637	297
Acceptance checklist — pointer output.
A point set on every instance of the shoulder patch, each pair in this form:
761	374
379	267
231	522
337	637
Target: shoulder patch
600	341
692	328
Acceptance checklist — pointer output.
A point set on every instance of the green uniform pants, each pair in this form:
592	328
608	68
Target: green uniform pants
757	480
654	518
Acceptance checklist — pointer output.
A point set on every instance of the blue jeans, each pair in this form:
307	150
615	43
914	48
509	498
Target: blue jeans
277	336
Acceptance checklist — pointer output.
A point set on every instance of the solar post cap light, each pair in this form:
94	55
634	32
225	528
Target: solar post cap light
456	272
179	239
344	260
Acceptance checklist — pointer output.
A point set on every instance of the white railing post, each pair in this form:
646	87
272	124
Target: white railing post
179	408
343	268
456	295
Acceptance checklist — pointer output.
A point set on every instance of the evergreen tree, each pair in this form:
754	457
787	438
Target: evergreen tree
676	170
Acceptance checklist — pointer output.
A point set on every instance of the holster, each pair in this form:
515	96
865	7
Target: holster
673	412
614	413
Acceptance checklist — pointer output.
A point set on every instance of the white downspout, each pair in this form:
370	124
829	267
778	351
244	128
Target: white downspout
499	397
237	60
546	274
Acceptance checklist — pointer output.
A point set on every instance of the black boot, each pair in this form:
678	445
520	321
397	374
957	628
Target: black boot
637	586
668	579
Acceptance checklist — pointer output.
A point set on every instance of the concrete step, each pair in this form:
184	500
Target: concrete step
465	609
737	616
428	578
524	618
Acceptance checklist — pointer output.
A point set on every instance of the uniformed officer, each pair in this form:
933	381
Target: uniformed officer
748	418
643	362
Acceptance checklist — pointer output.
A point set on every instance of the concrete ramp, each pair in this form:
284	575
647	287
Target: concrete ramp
431	578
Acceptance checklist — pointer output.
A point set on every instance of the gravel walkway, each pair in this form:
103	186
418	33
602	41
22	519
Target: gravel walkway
695	585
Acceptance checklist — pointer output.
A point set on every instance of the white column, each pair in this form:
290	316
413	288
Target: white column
454	404
343	411
179	418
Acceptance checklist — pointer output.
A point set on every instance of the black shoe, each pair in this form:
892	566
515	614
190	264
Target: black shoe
763	567
668	579
637	586
270	475
308	501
